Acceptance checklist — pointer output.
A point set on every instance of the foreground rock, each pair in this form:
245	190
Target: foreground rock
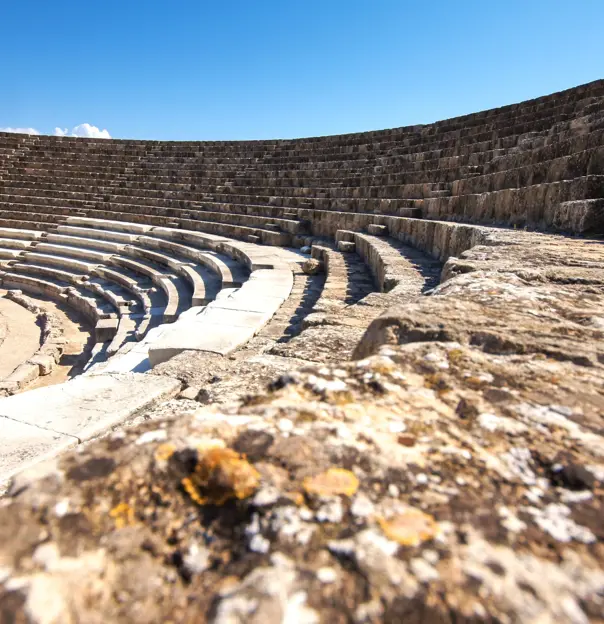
431	481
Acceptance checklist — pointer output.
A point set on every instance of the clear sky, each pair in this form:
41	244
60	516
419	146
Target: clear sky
253	69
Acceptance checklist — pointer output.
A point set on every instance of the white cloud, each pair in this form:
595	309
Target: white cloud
20	130
84	130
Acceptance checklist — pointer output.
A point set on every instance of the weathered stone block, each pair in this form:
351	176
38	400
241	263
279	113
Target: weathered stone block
45	363
346	246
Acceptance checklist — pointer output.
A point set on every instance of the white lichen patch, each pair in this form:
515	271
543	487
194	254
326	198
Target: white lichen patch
157	435
556	521
501	424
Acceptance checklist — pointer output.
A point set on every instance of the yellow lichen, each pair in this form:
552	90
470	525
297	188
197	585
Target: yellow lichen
123	514
332	482
409	528
437	382
164	451
455	355
219	475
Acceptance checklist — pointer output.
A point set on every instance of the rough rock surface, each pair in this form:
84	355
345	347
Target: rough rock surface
453	472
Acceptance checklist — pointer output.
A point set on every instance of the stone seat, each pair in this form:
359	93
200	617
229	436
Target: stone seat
13	234
49	272
230	272
15	243
54	259
152	300
98	234
117	227
394	265
178	296
222	229
69	250
31	284
87	243
158	208
7	253
11	218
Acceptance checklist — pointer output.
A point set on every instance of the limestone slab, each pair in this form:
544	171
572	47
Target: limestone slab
235	317
106	224
87	405
242	302
22	444
214	338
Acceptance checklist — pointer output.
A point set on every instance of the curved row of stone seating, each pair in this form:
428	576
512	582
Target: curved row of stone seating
48	214
394	266
428	168
47	333
422	152
217	212
445	205
139	283
554	104
240	147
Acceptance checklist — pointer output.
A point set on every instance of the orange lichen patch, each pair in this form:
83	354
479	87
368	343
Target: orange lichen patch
382	365
332	482
409	528
221	474
123	514
296	497
164	451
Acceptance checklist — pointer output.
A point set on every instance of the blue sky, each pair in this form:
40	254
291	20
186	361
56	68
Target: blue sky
234	69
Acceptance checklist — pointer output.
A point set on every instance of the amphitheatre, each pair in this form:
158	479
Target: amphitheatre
353	378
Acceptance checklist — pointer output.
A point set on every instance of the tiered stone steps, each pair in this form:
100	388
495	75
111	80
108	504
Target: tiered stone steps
537	164
131	278
129	271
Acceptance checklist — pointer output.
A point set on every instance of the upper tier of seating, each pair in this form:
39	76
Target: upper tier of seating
538	164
